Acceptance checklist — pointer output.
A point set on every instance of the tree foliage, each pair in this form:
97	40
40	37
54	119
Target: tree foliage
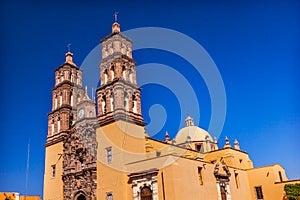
292	191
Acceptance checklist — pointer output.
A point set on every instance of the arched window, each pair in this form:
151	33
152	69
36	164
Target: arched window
52	127
105	77
60	99
126	102
146	193
71	98
103	104
58	124
134	104
131	77
55	102
112	103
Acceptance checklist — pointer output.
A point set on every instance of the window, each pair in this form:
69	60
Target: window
200	176
280	176
109	154
58	124
237	181
259	193
53	171
146	193
109	196
198	147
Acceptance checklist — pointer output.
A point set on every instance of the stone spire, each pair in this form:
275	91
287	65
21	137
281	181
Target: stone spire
227	144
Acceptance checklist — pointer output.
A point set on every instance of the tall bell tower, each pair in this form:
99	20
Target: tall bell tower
66	93
118	95
121	133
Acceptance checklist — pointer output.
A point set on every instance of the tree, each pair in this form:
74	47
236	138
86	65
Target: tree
292	191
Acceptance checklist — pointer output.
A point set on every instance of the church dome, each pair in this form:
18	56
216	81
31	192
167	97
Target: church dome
192	133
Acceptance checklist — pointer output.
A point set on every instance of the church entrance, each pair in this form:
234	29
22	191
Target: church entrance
223	193
81	197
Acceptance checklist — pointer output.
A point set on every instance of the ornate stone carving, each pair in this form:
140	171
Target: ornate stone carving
222	175
79	161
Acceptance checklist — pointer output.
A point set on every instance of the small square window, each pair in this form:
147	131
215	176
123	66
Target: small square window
109	154
53	170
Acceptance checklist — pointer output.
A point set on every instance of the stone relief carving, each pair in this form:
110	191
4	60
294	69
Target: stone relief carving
79	161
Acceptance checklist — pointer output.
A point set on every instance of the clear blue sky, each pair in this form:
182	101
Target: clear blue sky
255	45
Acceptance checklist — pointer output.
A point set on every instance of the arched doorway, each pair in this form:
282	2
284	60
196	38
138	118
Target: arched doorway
223	193
81	197
146	193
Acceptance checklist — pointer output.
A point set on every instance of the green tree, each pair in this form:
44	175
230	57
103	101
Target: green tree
292	191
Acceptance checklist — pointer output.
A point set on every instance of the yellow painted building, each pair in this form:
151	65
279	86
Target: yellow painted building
108	154
16	196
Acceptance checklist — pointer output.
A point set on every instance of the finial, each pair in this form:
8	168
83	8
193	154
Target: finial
215	146
227	144
236	144
69	56
167	138
215	140
69	47
226	140
116	16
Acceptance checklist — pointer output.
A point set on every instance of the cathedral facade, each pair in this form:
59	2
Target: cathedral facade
105	153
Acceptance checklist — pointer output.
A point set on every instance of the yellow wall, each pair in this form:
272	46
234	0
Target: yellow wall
266	177
232	157
182	181
128	145
53	187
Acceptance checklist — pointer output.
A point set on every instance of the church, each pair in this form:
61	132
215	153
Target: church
100	149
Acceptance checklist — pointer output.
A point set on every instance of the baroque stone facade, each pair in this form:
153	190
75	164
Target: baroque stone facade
79	161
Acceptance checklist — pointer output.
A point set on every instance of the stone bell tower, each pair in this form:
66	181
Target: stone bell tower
66	92
118	95
121	133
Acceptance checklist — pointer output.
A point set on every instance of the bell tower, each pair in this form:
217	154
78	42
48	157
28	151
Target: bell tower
66	93
118	95
121	133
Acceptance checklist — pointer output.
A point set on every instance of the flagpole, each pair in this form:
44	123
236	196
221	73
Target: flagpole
27	168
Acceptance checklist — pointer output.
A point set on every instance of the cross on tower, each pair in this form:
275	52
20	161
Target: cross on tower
69	47
116	16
